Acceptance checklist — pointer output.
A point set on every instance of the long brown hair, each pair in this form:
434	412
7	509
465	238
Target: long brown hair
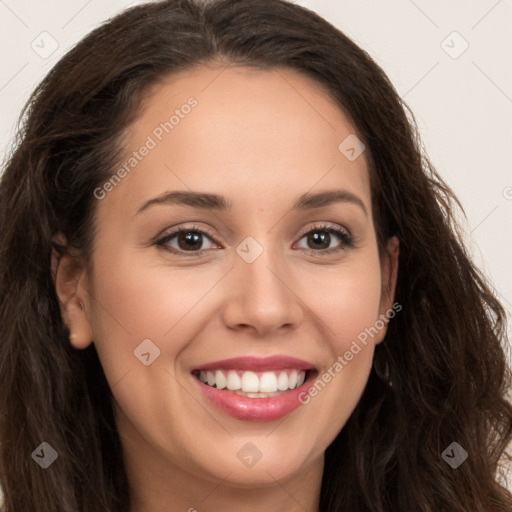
443	353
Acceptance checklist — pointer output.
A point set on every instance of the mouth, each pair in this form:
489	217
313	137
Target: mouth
255	384
254	388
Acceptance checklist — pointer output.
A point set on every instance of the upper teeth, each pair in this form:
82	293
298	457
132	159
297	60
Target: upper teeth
247	381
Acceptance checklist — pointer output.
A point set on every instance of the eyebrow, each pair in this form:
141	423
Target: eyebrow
208	201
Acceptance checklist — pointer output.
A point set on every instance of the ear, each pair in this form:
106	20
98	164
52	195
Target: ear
70	281
389	278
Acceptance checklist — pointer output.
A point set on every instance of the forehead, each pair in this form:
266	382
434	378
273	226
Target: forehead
235	130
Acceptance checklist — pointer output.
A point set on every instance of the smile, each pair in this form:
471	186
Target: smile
253	384
254	388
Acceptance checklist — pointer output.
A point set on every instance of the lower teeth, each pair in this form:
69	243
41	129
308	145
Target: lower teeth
258	395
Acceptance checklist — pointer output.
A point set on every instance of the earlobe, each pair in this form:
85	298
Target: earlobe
75	317
67	273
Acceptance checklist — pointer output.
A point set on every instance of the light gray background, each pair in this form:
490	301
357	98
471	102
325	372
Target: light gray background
463	103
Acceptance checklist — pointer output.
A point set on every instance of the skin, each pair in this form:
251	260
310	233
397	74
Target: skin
261	139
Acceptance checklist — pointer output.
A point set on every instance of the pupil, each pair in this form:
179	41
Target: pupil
316	237
187	237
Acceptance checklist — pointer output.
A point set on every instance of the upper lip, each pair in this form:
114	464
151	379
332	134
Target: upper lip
260	364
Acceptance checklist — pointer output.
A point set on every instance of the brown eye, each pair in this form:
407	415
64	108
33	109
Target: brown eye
183	240
320	238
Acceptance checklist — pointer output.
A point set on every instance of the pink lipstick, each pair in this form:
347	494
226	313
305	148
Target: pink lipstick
252	388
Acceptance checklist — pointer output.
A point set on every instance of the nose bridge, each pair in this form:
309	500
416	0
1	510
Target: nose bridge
261	271
261	296
259	266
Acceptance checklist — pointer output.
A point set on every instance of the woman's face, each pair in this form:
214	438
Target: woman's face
263	274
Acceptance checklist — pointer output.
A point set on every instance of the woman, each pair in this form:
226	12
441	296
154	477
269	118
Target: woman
231	281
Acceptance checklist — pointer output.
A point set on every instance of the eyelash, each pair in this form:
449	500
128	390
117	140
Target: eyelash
346	239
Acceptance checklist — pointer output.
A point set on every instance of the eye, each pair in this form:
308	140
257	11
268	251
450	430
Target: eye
188	239
320	238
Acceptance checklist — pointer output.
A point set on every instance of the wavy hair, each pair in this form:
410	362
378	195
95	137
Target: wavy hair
439	377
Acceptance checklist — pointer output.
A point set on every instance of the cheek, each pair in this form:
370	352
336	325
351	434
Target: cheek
132	302
347	299
147	301
347	306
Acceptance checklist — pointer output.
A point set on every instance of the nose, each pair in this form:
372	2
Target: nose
262	296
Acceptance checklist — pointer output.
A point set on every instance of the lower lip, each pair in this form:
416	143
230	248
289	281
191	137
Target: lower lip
254	409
